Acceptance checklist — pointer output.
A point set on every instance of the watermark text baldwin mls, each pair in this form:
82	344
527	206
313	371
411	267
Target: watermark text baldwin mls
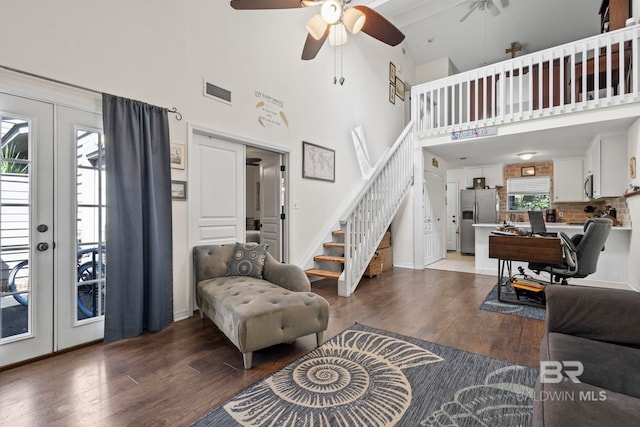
555	372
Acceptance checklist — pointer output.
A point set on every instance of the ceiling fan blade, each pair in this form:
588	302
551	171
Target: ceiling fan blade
265	4
378	27
469	12
312	46
493	8
504	3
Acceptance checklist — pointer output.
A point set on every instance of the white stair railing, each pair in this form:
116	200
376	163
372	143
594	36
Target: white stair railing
369	217
554	81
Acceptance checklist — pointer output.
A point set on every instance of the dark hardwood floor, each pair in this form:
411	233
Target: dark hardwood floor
176	376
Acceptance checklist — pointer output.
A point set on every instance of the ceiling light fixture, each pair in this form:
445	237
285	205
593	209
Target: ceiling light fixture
527	156
331	11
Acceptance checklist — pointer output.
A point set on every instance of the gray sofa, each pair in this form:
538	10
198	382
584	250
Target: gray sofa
600	329
256	313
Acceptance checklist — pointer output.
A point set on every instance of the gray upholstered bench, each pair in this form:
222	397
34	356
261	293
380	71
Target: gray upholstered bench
257	313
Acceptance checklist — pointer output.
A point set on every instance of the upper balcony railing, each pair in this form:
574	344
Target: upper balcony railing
592	73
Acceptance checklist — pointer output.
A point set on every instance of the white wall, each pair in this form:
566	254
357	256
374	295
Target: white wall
435	70
159	52
633	203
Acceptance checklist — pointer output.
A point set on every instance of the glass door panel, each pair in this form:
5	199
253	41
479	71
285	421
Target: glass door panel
80	231
26	215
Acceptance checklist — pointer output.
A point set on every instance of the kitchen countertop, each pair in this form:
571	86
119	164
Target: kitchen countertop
550	226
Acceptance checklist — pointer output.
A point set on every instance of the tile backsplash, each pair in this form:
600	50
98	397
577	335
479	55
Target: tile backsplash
571	212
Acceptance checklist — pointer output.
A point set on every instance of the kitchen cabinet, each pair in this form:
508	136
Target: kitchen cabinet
567	180
492	174
608	159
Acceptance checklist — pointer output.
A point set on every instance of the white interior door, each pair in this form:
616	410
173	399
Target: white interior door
217	202
271	204
26	229
433	218
452	216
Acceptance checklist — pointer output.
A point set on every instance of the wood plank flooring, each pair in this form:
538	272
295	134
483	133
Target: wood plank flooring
178	375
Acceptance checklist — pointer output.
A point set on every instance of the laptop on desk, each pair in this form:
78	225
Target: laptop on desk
538	227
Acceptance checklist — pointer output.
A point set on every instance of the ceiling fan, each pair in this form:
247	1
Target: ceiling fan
333	20
482	5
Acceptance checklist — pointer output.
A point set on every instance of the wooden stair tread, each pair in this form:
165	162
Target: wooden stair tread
333	245
338	233
323	273
329	258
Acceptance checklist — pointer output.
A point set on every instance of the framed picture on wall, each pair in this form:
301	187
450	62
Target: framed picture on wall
528	171
318	162
392	93
178	190
400	88
392	73
176	156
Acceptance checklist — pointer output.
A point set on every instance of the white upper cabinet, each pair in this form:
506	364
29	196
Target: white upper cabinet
609	154
567	180
493	175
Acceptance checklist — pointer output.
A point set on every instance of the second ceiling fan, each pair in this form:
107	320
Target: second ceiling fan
333	20
482	5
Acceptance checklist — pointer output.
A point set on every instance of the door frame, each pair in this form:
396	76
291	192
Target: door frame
284	152
452	194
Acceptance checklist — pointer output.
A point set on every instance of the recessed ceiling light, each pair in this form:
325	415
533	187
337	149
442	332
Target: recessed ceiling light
527	156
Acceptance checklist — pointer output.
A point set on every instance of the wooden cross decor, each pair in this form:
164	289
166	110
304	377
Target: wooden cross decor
515	47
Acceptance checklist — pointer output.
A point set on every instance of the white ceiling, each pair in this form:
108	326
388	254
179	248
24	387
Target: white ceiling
482	39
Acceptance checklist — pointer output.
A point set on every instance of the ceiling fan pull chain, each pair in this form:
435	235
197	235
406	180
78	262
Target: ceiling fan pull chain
335	77
341	63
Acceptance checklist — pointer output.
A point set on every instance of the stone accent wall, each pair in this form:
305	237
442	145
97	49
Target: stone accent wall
571	212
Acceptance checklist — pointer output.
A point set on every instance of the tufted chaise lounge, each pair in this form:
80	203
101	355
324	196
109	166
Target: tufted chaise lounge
257	313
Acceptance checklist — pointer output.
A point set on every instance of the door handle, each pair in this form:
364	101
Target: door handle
42	246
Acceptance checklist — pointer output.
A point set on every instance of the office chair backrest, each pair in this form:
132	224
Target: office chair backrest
536	221
596	233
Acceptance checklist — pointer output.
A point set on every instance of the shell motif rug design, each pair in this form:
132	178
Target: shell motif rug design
369	377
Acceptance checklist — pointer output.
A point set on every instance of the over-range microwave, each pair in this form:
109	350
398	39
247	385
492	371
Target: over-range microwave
588	187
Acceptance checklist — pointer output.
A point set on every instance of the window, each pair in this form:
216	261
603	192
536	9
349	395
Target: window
524	194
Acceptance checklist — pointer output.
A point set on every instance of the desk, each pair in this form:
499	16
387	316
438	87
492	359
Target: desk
544	250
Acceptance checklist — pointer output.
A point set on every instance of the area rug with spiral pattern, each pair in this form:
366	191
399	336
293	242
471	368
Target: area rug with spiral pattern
370	377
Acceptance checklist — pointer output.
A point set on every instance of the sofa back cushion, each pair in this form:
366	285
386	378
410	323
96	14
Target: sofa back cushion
211	261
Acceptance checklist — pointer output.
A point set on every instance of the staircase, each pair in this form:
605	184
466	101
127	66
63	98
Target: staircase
330	260
367	219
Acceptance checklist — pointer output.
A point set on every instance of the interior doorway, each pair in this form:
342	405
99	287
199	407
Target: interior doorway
265	199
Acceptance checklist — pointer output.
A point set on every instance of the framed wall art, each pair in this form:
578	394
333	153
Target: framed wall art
400	88
179	190
176	156
318	162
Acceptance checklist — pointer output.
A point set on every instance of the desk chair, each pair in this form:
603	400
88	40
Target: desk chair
536	222
581	252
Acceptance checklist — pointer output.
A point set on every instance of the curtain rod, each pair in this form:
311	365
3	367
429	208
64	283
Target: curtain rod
173	110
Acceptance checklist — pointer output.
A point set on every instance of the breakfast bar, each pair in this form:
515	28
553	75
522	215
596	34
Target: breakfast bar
612	265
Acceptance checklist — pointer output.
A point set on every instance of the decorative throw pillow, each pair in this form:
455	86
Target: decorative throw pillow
248	260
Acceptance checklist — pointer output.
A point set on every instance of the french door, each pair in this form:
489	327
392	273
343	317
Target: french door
51	228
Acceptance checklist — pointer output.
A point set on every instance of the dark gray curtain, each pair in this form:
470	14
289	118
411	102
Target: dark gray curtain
139	293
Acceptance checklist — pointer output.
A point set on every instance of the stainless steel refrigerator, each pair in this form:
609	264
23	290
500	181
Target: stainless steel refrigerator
476	207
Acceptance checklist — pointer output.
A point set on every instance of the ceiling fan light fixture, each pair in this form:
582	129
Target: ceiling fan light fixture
354	20
316	26
331	11
337	35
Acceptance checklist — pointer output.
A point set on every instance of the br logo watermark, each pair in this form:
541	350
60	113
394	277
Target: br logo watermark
556	372
551	372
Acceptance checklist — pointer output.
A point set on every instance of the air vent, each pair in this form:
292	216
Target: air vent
216	92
